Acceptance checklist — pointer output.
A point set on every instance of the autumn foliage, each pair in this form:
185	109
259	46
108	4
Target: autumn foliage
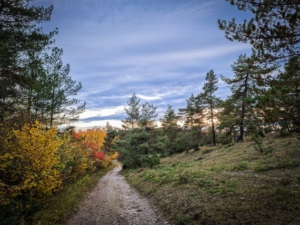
92	140
38	161
29	165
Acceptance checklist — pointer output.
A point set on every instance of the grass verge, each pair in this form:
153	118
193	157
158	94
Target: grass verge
62	205
227	184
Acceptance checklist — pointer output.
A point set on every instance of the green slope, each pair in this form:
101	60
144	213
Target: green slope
227	184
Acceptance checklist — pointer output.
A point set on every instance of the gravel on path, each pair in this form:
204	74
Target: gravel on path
114	202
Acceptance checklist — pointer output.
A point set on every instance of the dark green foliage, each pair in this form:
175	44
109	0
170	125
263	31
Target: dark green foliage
248	78
281	102
147	115
59	86
258	142
181	144
111	133
150	160
228	118
273	32
209	101
20	36
139	140
193	116
243	165
284	133
224	138
206	138
170	129
33	84
139	148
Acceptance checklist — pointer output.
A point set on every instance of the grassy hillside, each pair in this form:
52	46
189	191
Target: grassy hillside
227	184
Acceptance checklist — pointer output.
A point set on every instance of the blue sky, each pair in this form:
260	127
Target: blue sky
159	49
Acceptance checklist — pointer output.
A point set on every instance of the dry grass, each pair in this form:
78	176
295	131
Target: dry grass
229	184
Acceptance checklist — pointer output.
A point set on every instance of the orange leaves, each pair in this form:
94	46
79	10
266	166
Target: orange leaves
99	155
95	136
93	139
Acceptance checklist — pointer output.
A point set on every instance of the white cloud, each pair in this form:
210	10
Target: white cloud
101	112
148	97
96	123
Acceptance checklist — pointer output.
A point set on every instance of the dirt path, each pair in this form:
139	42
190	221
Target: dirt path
113	201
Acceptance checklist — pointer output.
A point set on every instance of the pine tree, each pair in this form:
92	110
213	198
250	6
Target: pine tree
133	113
273	32
147	116
61	108
193	116
248	77
19	34
281	102
111	133
170	128
209	100
229	117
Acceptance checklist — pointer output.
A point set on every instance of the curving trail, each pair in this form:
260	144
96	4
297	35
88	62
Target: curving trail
114	202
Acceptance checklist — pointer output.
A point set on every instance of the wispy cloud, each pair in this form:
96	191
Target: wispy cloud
161	50
102	112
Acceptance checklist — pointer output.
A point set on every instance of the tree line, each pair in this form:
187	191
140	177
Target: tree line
265	92
37	94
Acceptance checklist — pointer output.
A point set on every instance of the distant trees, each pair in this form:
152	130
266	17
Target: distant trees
137	143
193	116
261	94
111	134
170	128
147	116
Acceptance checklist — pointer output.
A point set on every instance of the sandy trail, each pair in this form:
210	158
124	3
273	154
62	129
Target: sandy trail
113	201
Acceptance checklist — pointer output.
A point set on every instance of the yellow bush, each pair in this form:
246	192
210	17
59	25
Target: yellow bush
30	163
114	155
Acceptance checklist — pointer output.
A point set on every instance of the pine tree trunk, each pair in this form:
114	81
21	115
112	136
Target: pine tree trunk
213	125
243	110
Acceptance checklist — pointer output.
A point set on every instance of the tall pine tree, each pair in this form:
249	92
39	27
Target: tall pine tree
133	113
209	100
248	78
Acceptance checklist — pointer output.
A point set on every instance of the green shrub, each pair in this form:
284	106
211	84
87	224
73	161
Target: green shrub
224	139
243	165
284	133
150	160
258	142
288	162
184	177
